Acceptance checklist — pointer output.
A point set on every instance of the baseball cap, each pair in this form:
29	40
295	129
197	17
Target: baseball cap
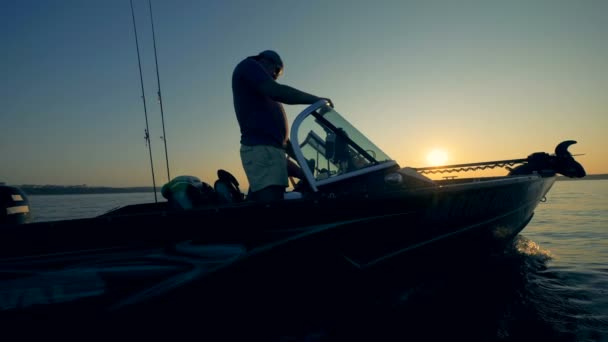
272	56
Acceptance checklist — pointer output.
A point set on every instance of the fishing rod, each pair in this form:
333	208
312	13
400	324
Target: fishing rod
160	98
143	96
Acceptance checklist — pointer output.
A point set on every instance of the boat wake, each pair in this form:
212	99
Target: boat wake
531	249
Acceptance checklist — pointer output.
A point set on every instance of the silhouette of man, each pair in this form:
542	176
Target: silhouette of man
258	100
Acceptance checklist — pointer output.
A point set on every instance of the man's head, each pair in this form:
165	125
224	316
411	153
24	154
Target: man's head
272	61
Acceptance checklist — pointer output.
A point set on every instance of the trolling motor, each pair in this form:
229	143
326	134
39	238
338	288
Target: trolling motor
561	162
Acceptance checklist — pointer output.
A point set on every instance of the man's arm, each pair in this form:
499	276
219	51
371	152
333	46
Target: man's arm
286	94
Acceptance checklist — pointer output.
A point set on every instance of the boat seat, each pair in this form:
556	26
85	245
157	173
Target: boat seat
227	188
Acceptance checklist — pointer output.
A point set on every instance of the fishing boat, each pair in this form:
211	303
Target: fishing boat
15	205
355	221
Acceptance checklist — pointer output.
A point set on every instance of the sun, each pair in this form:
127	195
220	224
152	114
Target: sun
437	157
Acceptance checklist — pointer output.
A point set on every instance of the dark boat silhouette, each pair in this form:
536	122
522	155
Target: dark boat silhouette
356	222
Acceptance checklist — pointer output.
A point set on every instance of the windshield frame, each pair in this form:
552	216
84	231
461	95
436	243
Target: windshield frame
301	159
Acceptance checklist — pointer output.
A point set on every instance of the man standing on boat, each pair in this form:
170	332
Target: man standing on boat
258	100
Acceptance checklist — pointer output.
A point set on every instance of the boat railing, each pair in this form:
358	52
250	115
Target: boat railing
507	164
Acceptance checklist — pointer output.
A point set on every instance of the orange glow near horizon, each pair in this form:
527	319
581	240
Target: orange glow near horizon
437	157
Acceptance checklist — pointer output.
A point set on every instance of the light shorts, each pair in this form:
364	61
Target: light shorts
264	166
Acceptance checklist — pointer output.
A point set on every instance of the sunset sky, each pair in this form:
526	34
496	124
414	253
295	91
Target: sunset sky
475	80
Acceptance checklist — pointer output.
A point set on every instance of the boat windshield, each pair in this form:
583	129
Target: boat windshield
330	146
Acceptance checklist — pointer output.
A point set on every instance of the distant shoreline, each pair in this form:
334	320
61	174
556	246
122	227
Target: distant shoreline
80	190
83	189
587	177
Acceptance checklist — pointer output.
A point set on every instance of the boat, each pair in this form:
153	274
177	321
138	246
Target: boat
354	223
15	205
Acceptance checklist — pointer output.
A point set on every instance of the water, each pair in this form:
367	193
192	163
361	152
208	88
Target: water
551	285
62	207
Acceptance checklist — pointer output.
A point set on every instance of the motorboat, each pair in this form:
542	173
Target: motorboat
14	205
356	220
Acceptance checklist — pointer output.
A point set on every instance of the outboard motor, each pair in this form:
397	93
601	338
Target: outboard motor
14	205
187	192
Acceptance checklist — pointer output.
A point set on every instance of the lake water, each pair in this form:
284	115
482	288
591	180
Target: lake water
551	285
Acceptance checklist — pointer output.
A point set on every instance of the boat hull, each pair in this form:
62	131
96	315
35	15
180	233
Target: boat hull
231	261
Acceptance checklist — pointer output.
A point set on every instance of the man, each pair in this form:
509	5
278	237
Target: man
258	105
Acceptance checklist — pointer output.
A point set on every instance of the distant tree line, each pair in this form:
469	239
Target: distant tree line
587	177
84	189
79	189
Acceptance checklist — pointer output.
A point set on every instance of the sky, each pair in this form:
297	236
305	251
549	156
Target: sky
478	80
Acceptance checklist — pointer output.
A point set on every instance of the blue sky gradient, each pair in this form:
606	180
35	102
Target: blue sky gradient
482	80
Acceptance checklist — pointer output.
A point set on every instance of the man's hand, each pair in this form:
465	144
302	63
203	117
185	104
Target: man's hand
289	150
331	104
